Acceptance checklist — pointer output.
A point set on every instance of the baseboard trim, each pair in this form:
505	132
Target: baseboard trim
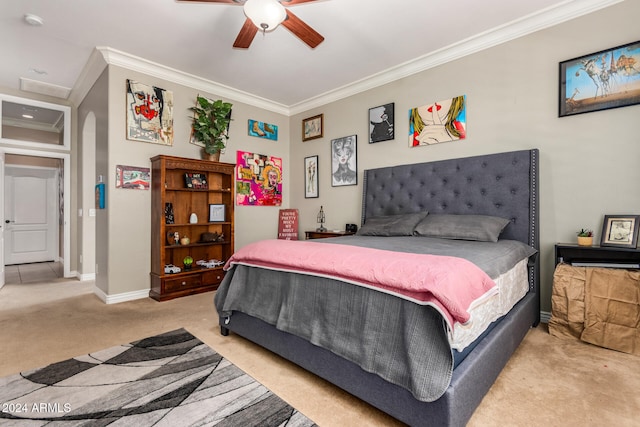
85	277
126	296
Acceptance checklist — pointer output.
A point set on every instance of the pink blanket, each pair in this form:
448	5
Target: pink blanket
451	285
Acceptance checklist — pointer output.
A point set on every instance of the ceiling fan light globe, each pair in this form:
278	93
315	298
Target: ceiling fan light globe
265	14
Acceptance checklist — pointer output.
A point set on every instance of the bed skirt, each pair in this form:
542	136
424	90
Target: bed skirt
470	382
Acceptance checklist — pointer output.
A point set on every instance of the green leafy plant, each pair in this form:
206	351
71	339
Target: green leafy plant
210	123
585	232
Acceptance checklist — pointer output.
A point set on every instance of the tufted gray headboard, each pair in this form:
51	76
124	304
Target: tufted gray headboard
503	184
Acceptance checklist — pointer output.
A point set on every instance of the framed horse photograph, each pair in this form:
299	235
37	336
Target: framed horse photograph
601	80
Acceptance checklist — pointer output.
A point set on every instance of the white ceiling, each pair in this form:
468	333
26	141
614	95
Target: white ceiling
365	40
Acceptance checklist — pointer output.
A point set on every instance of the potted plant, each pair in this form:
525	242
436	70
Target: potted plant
210	123
585	237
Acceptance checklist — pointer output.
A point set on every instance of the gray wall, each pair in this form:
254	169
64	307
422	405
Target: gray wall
93	232
589	162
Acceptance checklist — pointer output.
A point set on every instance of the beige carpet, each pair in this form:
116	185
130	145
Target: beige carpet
549	381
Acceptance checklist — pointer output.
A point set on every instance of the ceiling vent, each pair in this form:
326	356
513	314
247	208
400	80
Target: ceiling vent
42	88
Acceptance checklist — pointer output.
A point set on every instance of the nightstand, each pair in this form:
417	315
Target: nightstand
594	304
597	256
324	234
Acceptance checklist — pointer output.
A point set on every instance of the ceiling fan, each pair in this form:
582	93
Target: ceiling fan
266	15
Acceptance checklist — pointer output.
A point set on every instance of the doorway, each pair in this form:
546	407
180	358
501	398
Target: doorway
42	230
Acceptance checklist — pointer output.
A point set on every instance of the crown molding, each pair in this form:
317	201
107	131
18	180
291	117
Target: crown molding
90	73
540	20
134	63
565	11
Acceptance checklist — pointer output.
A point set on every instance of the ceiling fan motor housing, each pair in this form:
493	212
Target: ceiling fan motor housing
265	14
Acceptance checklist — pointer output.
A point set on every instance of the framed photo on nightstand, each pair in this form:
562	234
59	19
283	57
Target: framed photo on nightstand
620	231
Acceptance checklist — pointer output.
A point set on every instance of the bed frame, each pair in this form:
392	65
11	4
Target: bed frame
503	184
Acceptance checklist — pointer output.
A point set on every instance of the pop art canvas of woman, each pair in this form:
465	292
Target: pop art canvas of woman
258	179
438	122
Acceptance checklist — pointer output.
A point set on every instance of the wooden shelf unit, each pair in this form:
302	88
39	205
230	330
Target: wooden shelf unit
168	185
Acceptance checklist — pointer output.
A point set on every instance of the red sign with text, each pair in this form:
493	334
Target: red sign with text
288	224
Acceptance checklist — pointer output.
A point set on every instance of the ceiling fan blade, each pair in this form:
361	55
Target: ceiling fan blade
246	35
302	30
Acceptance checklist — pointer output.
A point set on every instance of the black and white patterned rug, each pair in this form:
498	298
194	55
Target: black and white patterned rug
172	379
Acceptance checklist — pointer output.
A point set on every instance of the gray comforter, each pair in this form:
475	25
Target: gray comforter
402	342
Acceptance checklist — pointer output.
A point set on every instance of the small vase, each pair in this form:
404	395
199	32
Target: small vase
585	241
215	157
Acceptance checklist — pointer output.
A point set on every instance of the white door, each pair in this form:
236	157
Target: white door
1	222
30	215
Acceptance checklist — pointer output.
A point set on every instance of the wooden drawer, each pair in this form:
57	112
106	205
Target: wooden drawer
212	277
182	283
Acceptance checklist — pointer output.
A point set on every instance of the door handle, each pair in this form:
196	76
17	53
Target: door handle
7	221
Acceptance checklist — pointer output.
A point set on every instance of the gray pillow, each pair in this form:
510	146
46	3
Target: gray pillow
391	225
482	228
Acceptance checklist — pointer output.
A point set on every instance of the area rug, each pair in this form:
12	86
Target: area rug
172	379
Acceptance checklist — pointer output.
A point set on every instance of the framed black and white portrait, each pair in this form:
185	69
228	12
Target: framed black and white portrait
381	123
344	166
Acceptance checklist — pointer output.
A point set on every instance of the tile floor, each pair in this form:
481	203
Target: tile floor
33	273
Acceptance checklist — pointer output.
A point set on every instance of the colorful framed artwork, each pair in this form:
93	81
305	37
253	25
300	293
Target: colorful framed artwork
311	177
196	181
601	80
258	179
263	130
217	212
381	123
133	177
620	231
440	121
313	127
344	165
149	114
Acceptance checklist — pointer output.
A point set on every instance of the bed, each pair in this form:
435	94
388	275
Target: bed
502	185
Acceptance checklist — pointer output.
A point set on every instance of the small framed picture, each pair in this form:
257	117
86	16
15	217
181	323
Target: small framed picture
217	213
311	177
197	181
620	231
381	123
312	127
133	177
344	166
263	130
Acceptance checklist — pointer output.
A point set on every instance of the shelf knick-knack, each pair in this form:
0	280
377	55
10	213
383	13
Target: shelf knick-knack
168	213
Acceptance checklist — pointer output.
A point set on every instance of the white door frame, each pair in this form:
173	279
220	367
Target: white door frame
66	160
1	220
